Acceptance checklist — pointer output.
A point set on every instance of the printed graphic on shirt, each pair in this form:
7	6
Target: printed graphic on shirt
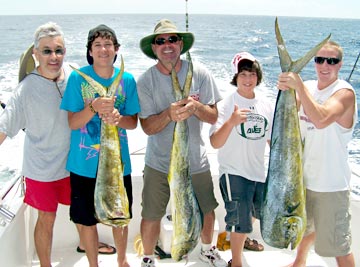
195	96
254	128
93	128
309	125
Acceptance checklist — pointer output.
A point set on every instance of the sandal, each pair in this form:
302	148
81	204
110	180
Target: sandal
253	245
104	249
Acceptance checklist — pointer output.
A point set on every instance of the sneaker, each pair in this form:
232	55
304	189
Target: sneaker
147	262
212	257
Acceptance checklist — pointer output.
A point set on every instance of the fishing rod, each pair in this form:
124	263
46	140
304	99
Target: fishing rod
186	16
188	57
348	79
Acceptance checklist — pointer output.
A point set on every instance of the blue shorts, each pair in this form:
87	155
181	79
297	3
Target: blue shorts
82	209
246	202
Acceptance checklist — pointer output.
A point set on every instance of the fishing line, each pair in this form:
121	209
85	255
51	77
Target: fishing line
348	79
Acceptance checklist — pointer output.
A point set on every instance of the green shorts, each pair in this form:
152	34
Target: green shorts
156	193
328	214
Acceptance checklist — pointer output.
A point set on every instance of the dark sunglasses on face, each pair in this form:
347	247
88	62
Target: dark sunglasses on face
329	60
171	39
48	52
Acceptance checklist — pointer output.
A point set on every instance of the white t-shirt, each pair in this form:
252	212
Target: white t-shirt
243	152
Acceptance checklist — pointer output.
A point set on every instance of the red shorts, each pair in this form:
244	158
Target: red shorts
46	196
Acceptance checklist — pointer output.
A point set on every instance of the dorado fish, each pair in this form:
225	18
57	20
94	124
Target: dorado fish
111	202
283	218
185	210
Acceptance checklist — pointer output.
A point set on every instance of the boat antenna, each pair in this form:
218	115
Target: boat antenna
348	79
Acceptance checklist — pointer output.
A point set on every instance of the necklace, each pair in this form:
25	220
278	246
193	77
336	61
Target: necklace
53	80
163	65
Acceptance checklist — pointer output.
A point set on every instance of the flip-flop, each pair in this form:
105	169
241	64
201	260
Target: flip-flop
101	245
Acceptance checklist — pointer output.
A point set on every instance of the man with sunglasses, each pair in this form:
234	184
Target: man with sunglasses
35	106
328	114
159	113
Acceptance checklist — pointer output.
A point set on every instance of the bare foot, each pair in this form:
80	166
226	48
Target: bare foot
293	264
124	264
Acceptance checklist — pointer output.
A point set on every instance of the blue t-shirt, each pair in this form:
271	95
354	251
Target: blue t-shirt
85	142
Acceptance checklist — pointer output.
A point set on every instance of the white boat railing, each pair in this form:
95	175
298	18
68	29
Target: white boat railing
6	216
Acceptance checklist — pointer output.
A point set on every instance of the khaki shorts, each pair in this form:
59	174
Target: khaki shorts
328	214
156	193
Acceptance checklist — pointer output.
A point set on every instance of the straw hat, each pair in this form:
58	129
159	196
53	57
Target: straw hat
27	63
162	27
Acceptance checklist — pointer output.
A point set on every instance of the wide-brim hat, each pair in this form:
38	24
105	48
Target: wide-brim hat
162	27
26	63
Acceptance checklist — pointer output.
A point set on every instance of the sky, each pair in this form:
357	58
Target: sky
301	8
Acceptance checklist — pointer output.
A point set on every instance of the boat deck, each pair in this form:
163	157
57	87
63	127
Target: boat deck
17	244
270	257
65	255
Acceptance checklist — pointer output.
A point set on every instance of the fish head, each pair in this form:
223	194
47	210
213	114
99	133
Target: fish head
182	250
292	228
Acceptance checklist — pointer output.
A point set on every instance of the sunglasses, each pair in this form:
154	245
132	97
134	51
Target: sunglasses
329	60
171	39
58	52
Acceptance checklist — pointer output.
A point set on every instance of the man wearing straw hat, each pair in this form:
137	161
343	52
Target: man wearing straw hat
159	112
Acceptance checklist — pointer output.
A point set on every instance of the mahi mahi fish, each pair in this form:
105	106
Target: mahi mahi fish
111	202
283	218
186	217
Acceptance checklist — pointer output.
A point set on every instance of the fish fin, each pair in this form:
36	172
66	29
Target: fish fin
26	63
96	85
189	75
285	60
116	82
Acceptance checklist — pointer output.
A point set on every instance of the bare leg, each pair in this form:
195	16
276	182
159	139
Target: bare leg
89	237
237	241
102	247
120	238
303	250
208	228
43	236
150	231
78	228
346	261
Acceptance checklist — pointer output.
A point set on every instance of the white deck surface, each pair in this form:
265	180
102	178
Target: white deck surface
17	245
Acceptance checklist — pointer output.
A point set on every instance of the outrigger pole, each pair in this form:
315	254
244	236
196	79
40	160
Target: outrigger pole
348	79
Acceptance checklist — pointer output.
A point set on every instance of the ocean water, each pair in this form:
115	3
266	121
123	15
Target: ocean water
217	39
